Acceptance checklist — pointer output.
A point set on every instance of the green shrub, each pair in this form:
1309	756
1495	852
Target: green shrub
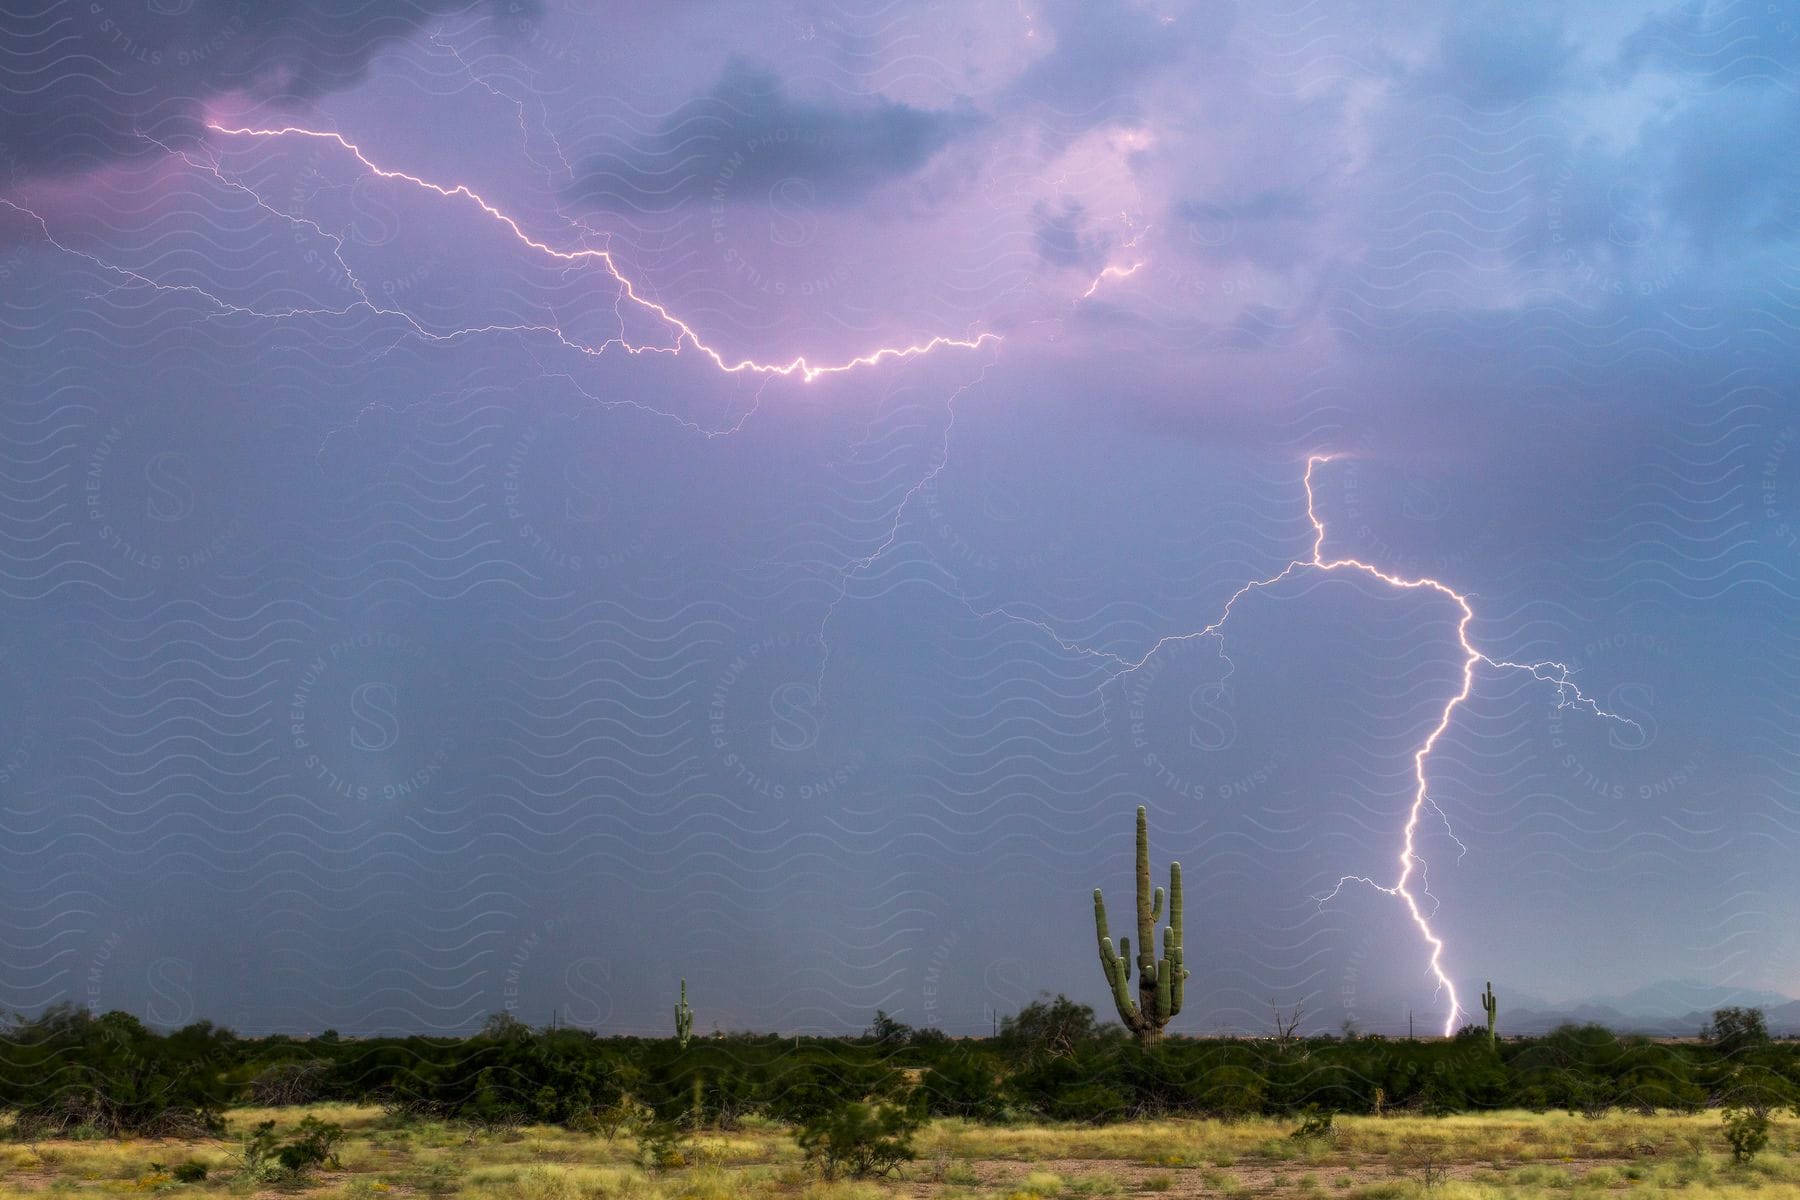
610	1120
1094	1103
860	1140
509	1076
256	1151
963	1085
1314	1126
314	1145
290	1083
810	1088
1747	1132
660	1146
68	1070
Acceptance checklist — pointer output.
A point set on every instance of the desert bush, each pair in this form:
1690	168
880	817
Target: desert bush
256	1152
1052	1026
1746	1132
1231	1090
69	1069
290	1083
661	1146
963	1085
263	1156
314	1145
860	1140
510	1076
1314	1126
1732	1031
811	1089
611	1119
1094	1103
1756	1087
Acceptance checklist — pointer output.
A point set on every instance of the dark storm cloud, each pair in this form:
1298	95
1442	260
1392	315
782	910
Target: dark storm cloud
1268	226
1060	237
1723	156
1705	181
1103	52
87	82
1501	62
747	134
1731	41
1730	165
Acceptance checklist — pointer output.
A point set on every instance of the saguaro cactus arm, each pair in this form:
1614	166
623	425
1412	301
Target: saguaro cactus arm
1117	966
1146	913
1172	946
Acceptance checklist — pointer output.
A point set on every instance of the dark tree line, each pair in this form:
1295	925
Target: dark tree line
68	1069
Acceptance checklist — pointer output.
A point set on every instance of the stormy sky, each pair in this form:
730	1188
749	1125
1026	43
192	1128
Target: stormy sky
464	548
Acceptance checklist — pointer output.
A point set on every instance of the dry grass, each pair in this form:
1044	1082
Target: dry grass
1486	1157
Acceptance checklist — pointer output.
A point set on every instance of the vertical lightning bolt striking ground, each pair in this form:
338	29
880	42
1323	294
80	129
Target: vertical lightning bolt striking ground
1411	866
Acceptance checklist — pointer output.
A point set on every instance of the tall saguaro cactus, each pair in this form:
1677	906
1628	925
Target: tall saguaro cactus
1159	979
684	1018
1492	1008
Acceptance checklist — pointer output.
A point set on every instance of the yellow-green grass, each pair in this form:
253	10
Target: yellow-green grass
1476	1157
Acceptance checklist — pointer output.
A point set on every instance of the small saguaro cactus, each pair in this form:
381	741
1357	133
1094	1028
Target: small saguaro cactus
1159	979
684	1018
1489	1006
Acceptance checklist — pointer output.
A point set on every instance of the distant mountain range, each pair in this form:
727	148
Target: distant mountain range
1670	1008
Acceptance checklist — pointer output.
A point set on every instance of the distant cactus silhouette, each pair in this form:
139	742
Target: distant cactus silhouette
684	1018
1491	1008
1159	980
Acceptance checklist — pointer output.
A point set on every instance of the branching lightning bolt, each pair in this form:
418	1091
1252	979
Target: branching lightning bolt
685	335
1410	864
443	43
1113	272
